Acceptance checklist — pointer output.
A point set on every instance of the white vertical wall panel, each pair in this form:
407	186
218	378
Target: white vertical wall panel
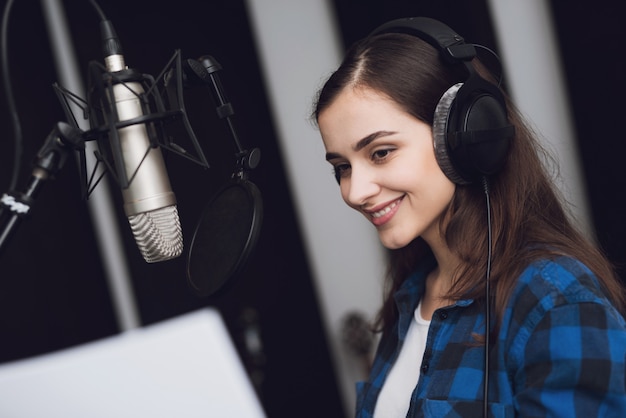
298	47
531	60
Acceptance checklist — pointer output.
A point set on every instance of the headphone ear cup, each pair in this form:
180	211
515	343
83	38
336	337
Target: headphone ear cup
471	132
440	135
485	136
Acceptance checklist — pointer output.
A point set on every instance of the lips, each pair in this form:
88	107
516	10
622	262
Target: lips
384	213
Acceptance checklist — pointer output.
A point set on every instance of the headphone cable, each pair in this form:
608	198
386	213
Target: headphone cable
487	301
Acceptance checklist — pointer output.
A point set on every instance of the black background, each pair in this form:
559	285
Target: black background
53	292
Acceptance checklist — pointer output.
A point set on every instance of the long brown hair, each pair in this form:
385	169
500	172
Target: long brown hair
529	217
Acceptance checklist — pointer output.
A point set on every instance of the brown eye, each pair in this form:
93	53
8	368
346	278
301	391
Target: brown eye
381	154
340	170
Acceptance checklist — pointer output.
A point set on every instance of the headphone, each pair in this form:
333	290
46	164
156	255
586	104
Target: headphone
471	131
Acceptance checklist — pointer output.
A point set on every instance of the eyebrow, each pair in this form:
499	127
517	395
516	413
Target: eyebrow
362	143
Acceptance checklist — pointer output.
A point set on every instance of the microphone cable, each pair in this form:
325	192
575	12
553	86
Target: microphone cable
98	9
10	98
18	139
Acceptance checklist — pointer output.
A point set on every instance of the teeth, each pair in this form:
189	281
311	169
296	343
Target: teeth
384	211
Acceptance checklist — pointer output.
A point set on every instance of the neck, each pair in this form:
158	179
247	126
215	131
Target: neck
440	279
447	265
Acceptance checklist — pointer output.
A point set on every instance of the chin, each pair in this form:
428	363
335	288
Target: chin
394	243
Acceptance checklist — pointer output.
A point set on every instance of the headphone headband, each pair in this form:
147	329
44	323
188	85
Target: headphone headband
450	44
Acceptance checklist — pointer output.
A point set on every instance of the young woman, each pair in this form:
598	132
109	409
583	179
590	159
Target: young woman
427	147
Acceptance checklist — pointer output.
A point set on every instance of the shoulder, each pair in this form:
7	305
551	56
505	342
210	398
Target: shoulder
557	281
560	330
555	293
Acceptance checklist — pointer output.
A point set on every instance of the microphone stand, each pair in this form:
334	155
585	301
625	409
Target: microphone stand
50	159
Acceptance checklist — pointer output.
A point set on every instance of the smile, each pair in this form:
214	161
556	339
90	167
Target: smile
385	210
383	215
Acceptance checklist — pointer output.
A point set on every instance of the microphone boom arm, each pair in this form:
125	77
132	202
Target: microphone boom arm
51	158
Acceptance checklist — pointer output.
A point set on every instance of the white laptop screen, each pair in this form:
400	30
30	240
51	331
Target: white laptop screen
183	367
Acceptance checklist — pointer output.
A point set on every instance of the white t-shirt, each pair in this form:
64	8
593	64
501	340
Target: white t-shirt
395	395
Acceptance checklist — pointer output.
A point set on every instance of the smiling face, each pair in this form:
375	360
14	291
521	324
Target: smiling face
385	162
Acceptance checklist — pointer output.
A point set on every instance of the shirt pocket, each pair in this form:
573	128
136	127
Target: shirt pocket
459	409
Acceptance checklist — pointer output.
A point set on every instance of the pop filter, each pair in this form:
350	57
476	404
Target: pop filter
225	236
229	225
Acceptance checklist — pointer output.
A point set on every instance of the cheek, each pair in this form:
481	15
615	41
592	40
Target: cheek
344	189
447	192
426	169
423	177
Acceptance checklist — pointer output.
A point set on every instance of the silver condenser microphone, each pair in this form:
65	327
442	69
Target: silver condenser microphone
149	202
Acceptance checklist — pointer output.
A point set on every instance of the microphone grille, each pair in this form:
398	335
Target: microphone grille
158	234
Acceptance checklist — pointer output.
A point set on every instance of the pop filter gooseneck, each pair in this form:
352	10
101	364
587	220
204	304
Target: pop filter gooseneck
229	225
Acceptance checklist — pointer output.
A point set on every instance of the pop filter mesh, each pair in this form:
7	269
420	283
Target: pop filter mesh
224	237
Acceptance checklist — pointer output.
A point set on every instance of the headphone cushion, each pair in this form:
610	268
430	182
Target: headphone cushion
440	134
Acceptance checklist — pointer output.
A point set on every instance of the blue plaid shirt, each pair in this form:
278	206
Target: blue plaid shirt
561	351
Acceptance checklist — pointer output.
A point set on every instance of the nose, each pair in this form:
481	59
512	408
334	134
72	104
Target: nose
360	186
